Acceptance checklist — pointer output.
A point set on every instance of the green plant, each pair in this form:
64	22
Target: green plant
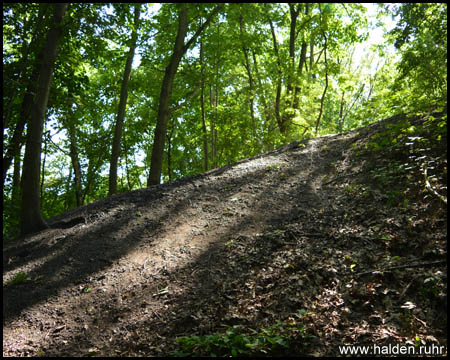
238	340
432	286
231	244
273	167
19	278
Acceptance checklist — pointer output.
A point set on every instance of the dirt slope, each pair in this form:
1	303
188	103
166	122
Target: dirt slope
302	227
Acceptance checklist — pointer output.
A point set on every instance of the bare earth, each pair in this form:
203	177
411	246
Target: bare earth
303	227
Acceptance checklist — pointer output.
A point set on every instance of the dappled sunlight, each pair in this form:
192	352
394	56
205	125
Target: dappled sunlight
259	241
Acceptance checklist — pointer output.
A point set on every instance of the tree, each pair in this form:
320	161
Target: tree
16	141
179	50
31	215
266	74
421	38
122	105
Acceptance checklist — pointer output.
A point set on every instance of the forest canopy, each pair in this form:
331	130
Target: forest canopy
107	98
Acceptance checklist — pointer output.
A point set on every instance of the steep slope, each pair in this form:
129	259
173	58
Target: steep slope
348	227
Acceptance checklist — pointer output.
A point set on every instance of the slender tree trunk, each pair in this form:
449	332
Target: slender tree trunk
25	52
212	105
324	90
301	64
17	139
202	104
31	214
93	169
341	113
180	48
169	153
154	177
15	193
68	198
43	164
262	96
278	116
115	151
75	164
250	77
127	166
294	11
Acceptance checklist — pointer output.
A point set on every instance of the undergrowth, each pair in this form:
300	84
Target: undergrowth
280	339
414	154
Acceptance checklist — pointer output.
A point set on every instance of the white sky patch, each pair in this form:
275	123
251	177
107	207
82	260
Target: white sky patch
376	37
151	11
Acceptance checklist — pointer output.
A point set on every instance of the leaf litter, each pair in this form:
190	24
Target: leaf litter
323	227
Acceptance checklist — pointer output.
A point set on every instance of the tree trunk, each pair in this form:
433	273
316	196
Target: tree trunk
31	214
169	153
324	90
115	151
26	48
250	77
281	125
301	64
341	113
212	104
68	198
202	104
262	96
154	177
75	164
15	193
43	164
17	140
292	36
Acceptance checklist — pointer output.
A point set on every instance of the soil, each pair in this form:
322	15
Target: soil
309	226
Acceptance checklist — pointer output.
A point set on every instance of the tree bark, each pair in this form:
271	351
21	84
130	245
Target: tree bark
324	90
75	164
281	125
267	112
202	104
292	36
302	62
31	214
250	77
180	48
26	48
17	139
115	151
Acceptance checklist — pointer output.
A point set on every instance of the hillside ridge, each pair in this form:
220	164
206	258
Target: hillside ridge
309	226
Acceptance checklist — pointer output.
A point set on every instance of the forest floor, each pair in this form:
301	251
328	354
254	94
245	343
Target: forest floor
336	240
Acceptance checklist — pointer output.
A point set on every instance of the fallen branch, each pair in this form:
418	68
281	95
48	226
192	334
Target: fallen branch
342	176
430	188
403	267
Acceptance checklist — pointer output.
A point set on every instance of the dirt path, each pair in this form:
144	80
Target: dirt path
250	244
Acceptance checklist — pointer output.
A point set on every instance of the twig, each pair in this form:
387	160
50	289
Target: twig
430	188
403	267
406	289
342	176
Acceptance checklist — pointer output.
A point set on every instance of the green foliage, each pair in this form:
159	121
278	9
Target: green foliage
19	278
410	156
421	37
239	73
433	286
280	339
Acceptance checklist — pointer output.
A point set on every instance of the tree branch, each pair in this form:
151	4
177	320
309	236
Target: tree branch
430	188
404	267
193	94
204	25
